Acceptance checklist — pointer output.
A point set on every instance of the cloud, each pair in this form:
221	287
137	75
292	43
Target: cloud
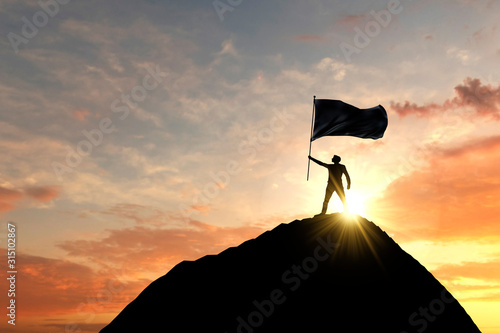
81	114
81	328
482	99
479	145
308	38
488	271
5	206
50	286
9	194
228	48
485	99
455	196
407	108
42	193
53	293
8	197
478	280
349	22
200	208
152	251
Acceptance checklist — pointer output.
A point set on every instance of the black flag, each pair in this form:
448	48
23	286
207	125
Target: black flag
336	118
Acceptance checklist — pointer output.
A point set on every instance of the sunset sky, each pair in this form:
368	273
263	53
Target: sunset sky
137	134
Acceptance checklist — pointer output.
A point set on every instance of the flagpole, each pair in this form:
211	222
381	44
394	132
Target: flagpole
310	138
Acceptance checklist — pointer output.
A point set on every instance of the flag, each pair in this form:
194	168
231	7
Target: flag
336	118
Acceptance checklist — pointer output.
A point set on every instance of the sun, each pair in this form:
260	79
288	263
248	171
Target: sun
356	203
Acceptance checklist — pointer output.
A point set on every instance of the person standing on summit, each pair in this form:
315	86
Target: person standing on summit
335	172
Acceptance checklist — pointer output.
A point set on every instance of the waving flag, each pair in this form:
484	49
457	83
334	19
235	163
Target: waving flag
336	118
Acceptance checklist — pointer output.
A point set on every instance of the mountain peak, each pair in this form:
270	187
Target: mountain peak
332	272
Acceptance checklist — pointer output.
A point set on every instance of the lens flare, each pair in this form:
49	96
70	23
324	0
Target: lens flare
356	203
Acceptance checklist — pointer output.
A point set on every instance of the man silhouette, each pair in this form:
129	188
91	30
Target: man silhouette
335	172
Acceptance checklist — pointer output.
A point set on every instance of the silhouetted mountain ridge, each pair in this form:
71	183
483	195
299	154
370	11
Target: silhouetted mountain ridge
328	273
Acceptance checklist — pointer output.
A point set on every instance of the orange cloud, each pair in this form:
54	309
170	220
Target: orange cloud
483	145
488	271
308	38
158	249
456	196
200	208
484	100
349	22
54	287
80	328
43	276
42	193
81	114
5	206
53	293
8	197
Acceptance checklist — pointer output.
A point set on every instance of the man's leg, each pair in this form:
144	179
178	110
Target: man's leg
328	195
341	194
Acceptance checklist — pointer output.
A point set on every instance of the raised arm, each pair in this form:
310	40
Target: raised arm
317	162
347	177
